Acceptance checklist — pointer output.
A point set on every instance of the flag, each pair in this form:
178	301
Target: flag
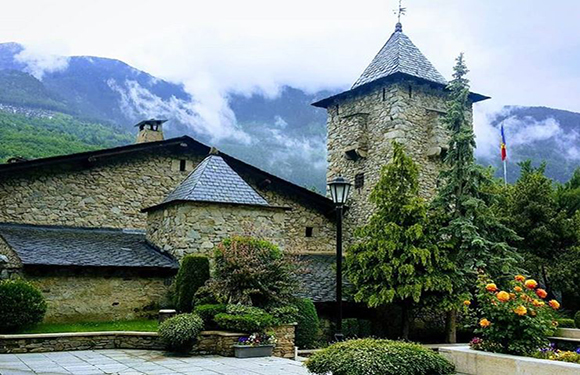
503	145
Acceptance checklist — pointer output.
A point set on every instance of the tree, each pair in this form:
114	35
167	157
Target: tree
396	259
474	237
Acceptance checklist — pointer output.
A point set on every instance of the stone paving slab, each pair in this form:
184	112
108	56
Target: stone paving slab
141	362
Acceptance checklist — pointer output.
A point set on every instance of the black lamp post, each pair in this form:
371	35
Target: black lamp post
339	190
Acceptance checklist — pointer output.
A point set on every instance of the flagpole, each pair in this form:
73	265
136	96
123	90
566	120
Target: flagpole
505	171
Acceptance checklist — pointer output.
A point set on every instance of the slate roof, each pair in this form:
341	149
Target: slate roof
317	277
86	247
399	55
213	180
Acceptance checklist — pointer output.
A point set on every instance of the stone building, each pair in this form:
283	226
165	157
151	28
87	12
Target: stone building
101	232
400	96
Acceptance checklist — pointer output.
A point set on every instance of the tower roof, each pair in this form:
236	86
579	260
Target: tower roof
399	55
213	180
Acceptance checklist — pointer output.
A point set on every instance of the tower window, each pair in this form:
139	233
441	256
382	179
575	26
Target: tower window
308	232
410	92
359	180
182	165
384	94
337	109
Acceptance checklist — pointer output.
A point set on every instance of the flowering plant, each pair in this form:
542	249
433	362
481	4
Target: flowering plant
516	320
552	353
257	339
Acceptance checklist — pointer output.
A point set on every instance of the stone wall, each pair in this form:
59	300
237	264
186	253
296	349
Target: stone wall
100	295
13	266
108	193
54	342
404	111
285	336
192	227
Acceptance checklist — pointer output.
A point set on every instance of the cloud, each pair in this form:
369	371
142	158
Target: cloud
213	119
39	62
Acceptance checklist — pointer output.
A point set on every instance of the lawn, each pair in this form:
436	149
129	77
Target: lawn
123	325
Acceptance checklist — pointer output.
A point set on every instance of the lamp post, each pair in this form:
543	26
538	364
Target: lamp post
339	190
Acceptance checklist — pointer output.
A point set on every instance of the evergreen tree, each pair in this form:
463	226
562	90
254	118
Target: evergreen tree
476	240
396	260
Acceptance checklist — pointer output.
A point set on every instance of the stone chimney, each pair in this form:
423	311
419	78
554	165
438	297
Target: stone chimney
150	131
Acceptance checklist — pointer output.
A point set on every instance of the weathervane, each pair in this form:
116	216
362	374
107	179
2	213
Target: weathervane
400	12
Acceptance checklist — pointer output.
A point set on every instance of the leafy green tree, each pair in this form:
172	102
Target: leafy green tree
396	260
540	215
568	194
474	237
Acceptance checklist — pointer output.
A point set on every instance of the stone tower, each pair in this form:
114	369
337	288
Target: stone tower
400	96
150	131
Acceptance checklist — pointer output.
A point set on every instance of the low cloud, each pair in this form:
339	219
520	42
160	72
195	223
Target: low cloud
38	62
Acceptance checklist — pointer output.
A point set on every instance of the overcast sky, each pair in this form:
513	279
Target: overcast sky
523	52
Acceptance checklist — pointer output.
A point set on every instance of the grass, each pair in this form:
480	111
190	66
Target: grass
124	325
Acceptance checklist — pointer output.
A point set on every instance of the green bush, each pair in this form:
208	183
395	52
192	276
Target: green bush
565	323
244	322
21	305
577	319
374	356
285	314
308	327
193	273
208	313
252	272
180	332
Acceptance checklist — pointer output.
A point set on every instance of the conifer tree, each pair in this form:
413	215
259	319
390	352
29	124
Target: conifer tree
396	259
476	240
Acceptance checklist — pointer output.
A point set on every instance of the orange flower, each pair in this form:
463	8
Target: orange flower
520	310
541	293
467	303
503	296
555	323
512	296
532	312
518	289
484	323
554	304
531	284
520	278
491	287
538	303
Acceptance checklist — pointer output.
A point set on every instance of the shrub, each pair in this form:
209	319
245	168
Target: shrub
180	332
251	271
244	322
308	327
374	356
208	313
577	319
193	273
21	305
517	321
284	314
565	323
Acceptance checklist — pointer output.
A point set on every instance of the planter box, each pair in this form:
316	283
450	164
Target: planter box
246	351
475	362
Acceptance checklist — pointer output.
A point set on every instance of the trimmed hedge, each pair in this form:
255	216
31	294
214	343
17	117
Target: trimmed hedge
577	319
566	323
193	273
21	305
249	323
374	356
308	327
208	313
180	332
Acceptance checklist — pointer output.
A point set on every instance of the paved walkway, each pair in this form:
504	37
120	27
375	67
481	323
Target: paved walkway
133	362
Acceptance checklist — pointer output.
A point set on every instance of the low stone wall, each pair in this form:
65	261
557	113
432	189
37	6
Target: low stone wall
210	342
54	342
569	333
473	362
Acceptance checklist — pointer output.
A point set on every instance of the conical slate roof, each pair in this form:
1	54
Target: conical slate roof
213	180
399	55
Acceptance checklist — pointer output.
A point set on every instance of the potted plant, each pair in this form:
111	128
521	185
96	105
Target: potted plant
255	345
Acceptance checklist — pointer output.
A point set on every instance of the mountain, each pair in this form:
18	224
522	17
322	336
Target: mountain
92	102
540	134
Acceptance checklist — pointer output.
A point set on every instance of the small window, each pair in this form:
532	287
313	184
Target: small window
182	165
410	92
309	231
359	180
384	94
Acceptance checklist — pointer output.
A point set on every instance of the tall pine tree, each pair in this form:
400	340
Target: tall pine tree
473	236
396	260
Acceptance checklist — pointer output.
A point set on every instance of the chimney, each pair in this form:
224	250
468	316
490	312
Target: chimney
150	131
